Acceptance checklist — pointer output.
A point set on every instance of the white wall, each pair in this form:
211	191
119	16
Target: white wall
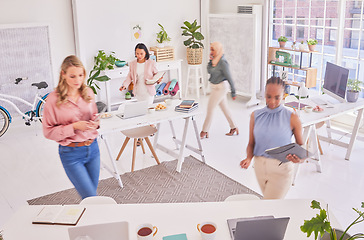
56	13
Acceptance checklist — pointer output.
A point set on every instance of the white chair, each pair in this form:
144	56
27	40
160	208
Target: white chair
139	133
242	197
98	200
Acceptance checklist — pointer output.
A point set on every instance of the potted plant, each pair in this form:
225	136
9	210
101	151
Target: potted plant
353	90
193	43
311	44
321	224
162	37
282	41
302	46
102	62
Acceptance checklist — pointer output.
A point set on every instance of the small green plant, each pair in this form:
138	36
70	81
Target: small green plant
101	63
162	36
282	39
302	42
354	85
195	38
321	224
312	41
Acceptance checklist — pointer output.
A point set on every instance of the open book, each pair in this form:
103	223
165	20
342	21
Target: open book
281	153
155	78
63	215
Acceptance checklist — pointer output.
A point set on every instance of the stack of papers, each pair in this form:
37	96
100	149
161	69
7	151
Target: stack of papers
155	78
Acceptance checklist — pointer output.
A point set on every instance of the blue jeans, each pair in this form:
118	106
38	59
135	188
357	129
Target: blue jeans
82	166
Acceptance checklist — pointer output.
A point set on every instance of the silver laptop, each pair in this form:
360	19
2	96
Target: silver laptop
103	231
265	228
133	109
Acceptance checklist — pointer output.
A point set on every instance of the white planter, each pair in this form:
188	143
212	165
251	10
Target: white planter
160	45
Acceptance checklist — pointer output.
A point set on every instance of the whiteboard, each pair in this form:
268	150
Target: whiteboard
24	53
237	33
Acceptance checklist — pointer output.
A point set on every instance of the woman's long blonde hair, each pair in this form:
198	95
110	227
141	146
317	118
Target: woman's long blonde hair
62	88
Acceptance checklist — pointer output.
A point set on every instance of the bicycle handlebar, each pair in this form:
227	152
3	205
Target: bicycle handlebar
18	80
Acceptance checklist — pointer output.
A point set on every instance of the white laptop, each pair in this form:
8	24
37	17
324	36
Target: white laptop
133	109
263	227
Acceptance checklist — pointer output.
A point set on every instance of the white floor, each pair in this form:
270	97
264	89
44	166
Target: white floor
30	166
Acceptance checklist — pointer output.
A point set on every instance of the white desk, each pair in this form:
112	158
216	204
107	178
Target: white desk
122	72
309	121
170	218
116	124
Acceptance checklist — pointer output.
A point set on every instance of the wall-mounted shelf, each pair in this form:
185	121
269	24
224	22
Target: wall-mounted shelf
311	73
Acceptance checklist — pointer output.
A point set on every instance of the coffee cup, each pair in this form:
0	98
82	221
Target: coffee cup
308	109
151	110
207	230
146	231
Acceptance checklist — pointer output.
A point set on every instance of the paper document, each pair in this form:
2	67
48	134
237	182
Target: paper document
281	153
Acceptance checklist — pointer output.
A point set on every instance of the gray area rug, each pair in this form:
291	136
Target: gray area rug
197	182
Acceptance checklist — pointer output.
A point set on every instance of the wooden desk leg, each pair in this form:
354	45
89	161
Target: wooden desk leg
183	145
354	134
114	173
198	139
173	134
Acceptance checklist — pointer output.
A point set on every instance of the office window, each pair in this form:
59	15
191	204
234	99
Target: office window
318	19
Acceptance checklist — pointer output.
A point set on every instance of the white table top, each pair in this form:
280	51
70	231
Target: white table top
117	124
170	218
328	113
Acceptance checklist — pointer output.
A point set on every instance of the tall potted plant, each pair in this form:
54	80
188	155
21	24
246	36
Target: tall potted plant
101	63
162	37
353	90
193	43
321	227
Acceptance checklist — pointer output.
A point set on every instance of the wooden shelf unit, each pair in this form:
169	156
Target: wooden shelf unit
311	73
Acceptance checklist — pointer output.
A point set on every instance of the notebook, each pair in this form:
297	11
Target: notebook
267	229
155	78
295	105
134	109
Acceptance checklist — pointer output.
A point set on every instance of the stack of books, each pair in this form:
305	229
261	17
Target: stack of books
186	106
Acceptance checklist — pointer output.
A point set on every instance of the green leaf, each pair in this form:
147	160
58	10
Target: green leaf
195	45
188	25
188	42
97	73
315	205
194	24
318	224
102	78
198	36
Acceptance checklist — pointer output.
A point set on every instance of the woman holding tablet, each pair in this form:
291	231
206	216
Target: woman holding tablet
270	127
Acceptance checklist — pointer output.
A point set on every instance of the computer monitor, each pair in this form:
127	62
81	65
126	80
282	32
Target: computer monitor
336	79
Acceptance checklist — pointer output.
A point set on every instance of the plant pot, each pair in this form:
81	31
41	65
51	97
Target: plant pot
194	56
160	45
302	47
312	47
282	44
352	96
339	233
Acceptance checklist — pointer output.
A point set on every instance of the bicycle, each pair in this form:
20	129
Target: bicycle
34	114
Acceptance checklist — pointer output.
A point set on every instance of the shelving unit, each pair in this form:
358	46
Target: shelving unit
311	73
114	97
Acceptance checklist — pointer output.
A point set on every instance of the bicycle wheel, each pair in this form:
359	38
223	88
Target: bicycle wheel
4	121
40	106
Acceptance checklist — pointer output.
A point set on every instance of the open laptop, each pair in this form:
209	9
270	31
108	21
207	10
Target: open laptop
133	109
265	227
